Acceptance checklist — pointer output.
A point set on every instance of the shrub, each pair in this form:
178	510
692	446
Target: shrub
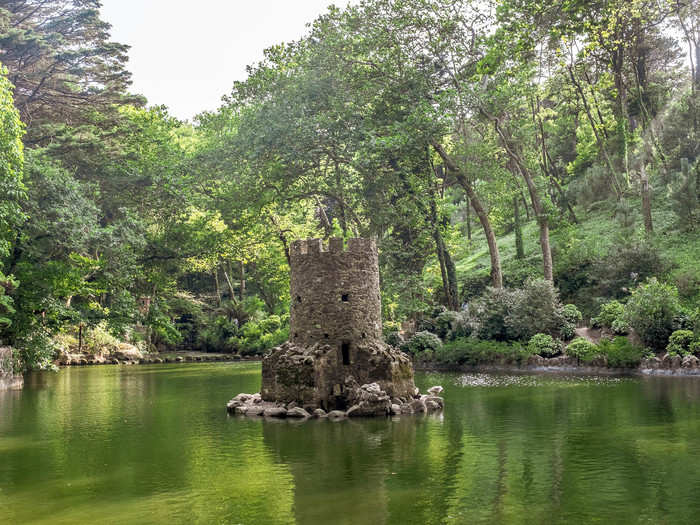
609	313
470	351
391	326
474	286
36	350
272	339
694	348
427	324
582	349
218	335
683	320
625	266
97	339
679	342
620	327
444	323
544	345
650	312
461	327
421	342
567	331
536	309
621	353
572	314
162	326
270	324
435	319
257	336
489	314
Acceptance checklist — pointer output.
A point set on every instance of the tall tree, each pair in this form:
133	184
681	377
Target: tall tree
62	63
11	188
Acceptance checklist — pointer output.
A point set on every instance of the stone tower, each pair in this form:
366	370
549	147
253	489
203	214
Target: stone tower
335	342
335	294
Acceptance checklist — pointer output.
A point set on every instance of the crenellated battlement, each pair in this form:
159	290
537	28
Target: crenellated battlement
335	245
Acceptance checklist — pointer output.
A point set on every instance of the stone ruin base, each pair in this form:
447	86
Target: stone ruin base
316	376
372	379
368	400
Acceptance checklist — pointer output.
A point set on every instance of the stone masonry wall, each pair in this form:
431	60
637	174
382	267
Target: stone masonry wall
335	293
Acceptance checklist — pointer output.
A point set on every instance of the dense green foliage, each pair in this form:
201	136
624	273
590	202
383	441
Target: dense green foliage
621	353
474	352
11	188
582	350
510	156
544	345
422	342
651	311
680	342
610	315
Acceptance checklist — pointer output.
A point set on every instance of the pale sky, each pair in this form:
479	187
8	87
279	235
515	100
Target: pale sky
186	54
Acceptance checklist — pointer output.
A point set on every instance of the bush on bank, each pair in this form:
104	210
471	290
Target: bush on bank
651	310
509	325
470	351
582	349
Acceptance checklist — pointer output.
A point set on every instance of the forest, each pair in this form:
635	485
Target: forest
528	168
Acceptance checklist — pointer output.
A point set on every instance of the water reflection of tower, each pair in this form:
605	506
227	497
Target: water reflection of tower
341	469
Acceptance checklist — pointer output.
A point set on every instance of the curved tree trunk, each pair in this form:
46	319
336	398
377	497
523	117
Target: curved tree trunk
646	201
519	248
496	273
540	214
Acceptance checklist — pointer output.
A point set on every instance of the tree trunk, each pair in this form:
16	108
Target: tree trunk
646	201
469	221
601	145
282	237
439	249
543	223
527	208
540	215
341	203
216	283
325	223
242	290
697	67
447	270
452	279
228	281
546	249
496	273
519	249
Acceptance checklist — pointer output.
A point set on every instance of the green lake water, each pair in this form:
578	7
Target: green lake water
153	444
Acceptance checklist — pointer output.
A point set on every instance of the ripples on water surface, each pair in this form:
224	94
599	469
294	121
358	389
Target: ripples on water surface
152	444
